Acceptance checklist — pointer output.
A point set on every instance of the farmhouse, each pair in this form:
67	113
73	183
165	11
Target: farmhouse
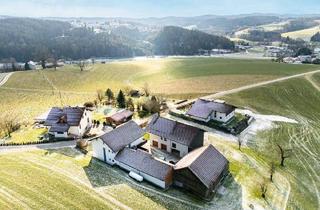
201	171
68	122
120	117
143	164
174	137
204	110
107	146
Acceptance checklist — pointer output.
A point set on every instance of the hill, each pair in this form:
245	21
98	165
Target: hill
25	39
178	41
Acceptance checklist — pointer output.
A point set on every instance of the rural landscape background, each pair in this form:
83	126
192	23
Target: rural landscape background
250	61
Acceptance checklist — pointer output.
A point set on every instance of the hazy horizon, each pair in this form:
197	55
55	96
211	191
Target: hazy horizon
153	8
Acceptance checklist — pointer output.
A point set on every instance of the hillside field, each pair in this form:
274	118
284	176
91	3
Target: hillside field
298	99
304	34
33	92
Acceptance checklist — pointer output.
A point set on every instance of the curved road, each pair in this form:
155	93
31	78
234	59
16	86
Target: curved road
235	90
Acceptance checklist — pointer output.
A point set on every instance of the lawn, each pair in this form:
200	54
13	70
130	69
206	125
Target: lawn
298	99
67	179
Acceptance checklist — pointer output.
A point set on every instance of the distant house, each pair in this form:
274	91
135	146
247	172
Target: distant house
174	137
201	171
120	117
107	146
68	122
32	65
204	110
305	58
143	164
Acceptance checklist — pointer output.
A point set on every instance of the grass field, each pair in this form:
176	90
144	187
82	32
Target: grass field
30	93
298	99
66	179
304	34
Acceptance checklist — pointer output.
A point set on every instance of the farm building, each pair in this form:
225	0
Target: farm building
107	146
201	171
204	110
68	122
143	164
174	137
120	117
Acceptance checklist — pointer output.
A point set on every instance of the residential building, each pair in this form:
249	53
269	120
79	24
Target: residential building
205	110
68	122
174	137
107	146
142	163
120	117
201	171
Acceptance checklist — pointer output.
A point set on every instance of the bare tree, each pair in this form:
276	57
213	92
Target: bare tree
263	190
82	65
100	96
9	123
146	89
272	170
284	154
240	143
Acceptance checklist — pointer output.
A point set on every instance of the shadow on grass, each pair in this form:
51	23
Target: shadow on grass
228	196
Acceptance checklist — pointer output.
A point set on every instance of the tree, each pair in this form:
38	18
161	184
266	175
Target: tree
272	170
284	154
121	100
9	123
109	94
82	64
304	51
316	37
100	96
130	104
26	66
239	143
146	89
263	190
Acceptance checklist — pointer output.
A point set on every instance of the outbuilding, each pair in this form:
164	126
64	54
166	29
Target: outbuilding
201	171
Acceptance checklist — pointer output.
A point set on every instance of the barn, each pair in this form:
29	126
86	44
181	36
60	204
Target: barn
201	171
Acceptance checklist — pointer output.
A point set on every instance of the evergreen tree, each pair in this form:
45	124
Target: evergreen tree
121	100
26	66
109	94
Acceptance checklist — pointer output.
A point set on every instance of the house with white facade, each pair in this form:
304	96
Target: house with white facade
174	137
107	146
68	122
205	110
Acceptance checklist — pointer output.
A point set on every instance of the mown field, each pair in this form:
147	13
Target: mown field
298	99
31	93
67	179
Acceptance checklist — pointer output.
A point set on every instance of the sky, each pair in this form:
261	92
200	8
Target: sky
153	8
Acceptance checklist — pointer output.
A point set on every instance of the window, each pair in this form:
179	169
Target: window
220	118
155	143
174	145
60	132
164	139
80	126
88	120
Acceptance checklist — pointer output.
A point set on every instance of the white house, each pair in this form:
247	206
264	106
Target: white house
142	163
68	122
107	146
205	110
174	137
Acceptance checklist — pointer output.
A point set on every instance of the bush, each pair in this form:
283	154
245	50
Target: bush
143	113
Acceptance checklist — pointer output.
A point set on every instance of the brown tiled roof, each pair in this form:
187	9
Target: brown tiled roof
122	136
71	116
144	162
203	108
175	131
207	163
